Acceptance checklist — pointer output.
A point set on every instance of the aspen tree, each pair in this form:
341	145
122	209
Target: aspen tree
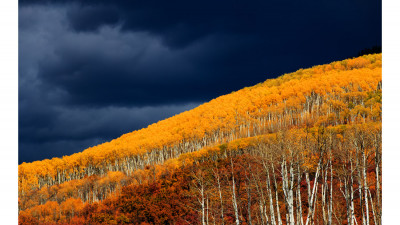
261	199
312	195
287	179
234	199
216	175
199	186
298	194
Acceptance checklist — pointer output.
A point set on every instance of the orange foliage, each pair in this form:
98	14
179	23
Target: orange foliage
346	92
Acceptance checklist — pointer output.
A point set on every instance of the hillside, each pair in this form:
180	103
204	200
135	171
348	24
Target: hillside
311	138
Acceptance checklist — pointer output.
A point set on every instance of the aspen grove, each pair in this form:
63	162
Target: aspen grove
304	148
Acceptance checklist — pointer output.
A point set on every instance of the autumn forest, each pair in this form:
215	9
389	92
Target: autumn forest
302	149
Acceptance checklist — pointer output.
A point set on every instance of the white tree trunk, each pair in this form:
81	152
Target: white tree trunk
288	190
271	204
311	196
234	202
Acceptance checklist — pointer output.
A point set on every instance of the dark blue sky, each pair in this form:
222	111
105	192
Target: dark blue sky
90	71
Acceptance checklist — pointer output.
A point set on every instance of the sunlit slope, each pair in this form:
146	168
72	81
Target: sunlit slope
338	93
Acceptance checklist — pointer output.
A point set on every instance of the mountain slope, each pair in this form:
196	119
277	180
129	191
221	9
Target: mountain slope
341	93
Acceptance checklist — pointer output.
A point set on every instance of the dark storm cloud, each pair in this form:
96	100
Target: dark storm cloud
53	119
136	54
93	70
180	23
138	70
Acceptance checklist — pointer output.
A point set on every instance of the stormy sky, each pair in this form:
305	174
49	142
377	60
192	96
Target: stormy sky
90	71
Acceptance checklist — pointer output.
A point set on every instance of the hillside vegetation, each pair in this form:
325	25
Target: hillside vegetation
304	148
